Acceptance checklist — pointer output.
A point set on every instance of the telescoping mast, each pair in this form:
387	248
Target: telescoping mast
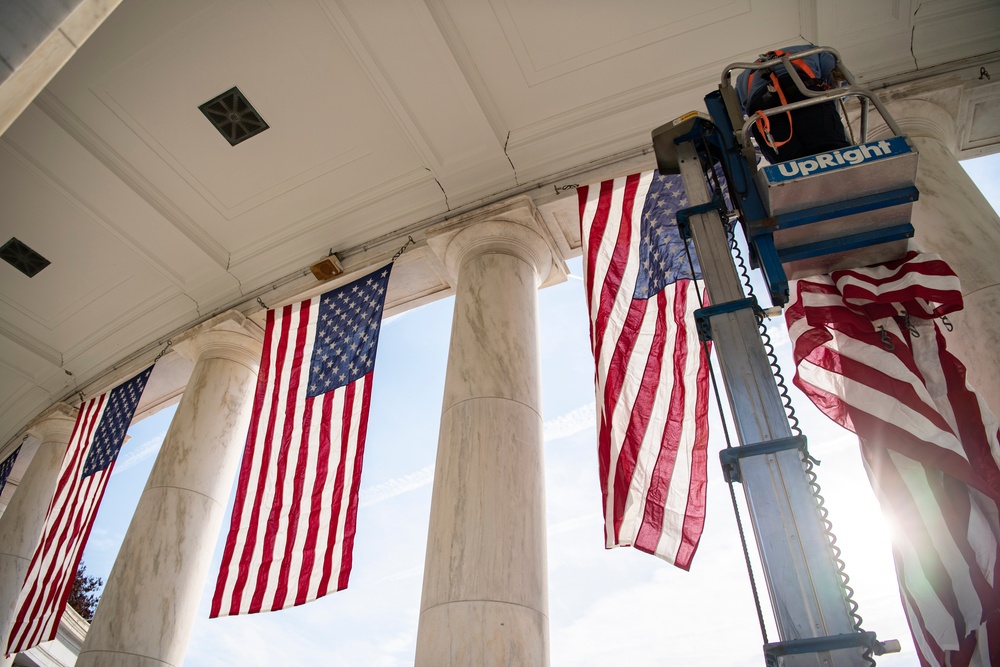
842	209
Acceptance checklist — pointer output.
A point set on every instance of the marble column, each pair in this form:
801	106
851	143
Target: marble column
148	607
21	523
953	219
485	593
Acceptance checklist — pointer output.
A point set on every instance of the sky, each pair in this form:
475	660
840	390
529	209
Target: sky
618	606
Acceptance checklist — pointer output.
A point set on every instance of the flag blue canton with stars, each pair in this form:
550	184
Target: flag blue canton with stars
110	433
662	257
7	466
347	332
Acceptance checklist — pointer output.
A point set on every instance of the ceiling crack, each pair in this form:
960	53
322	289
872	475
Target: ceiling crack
513	168
197	306
913	32
447	204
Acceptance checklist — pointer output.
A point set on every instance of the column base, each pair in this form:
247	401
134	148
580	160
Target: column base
482	633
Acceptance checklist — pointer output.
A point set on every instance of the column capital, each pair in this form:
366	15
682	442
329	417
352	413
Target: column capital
930	115
230	335
57	421
511	227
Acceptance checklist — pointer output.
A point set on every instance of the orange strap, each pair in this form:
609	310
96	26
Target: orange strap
764	123
778	53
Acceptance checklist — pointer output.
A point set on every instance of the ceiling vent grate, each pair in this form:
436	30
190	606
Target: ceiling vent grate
233	116
23	258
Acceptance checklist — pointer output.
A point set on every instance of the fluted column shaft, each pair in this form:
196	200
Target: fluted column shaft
147	610
955	220
485	593
22	521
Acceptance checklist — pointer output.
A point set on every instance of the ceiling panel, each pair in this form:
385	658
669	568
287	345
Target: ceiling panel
92	274
551	39
409	60
569	91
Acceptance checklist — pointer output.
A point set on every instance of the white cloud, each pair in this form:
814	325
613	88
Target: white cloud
409	573
133	456
574	421
394	487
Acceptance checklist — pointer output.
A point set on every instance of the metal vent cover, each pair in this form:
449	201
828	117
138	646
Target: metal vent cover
23	258
233	116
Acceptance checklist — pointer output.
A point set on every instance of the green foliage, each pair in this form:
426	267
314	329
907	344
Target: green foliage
84	596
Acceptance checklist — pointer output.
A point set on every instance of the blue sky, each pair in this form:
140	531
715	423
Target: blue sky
620	606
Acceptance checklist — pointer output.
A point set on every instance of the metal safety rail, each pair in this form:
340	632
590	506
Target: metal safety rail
852	89
841	209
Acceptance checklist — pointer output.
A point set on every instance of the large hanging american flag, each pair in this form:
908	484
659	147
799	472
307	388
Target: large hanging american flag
651	370
293	522
869	354
86	467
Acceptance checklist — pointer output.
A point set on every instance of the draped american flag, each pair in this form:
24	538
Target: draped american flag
7	466
651	370
293	522
869	354
86	467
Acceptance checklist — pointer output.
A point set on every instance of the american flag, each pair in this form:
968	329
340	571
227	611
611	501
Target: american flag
86	467
7	466
651	370
293	524
869	354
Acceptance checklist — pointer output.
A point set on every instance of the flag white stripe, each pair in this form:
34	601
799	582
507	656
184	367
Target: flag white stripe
284	520
69	518
637	456
677	498
646	457
290	470
946	565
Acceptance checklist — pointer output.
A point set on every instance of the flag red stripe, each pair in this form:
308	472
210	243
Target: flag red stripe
287	422
322	474
265	444
338	484
246	466
636	378
663	470
934	468
694	513
616	267
903	393
70	516
351	521
65	489
294	533
643	404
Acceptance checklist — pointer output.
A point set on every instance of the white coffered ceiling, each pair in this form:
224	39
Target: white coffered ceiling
384	115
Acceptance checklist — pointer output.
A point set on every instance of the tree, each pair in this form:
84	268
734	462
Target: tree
84	596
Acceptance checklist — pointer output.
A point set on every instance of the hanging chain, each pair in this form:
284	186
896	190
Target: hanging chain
163	351
910	326
947	323
409	241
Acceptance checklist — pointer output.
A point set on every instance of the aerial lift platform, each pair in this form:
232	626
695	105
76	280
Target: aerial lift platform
842	209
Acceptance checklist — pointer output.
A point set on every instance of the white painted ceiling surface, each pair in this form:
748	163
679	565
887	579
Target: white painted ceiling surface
383	114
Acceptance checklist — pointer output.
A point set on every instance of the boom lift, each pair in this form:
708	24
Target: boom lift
845	208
